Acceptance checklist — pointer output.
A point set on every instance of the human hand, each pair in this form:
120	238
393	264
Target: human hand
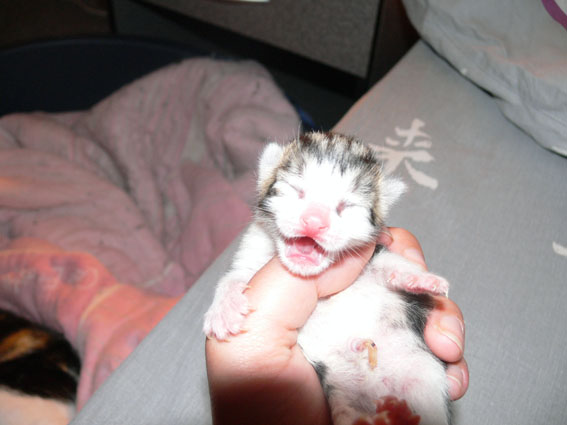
445	331
261	375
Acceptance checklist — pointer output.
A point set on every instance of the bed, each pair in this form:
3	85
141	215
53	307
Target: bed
488	204
459	120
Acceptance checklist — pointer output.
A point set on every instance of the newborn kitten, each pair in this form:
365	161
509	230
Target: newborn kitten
39	371
321	196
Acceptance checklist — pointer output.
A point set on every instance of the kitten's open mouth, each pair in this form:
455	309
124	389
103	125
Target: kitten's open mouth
304	251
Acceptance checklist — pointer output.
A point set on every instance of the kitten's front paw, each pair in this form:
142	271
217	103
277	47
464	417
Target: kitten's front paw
225	316
419	282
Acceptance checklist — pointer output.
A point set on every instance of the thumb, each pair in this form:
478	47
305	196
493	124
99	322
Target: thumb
280	298
344	272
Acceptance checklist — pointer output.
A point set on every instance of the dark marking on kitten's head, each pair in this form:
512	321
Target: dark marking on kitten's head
350	154
347	152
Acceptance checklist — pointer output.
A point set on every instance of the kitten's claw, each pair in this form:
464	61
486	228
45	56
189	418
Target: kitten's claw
419	282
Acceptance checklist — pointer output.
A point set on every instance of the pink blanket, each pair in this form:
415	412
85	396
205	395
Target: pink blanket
142	182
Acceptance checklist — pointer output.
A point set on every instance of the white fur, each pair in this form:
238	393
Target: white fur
392	189
322	184
269	160
369	309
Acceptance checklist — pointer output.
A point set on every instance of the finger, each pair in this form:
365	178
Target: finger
261	374
344	272
289	299
445	330
458	377
385	237
281	303
406	244
286	300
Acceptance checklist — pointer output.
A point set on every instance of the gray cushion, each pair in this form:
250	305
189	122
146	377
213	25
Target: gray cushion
512	48
488	206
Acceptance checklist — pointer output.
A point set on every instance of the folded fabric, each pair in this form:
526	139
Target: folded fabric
107	216
510	48
144	180
73	293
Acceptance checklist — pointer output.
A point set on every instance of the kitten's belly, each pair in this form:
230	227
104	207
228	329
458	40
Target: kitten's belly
365	310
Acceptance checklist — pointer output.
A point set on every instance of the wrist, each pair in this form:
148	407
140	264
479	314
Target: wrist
274	389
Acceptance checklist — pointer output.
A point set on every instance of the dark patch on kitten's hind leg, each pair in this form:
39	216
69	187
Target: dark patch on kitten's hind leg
417	307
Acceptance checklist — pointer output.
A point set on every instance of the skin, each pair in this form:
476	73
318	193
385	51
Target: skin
261	375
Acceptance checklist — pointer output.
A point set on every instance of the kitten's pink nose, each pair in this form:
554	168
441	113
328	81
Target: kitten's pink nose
315	220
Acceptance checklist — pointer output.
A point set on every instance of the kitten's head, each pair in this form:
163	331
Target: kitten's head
320	196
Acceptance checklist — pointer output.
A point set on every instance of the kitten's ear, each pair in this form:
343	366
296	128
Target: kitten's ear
269	160
391	188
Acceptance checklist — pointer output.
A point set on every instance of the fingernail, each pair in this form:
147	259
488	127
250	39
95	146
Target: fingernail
414	255
452	328
455	379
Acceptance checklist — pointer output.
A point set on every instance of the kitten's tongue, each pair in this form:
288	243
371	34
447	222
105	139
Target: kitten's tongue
303	250
304	245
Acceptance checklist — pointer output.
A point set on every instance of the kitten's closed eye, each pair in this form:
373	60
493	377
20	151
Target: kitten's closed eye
297	189
343	205
300	192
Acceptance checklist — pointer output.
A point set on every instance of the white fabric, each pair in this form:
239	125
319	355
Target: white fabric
511	48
